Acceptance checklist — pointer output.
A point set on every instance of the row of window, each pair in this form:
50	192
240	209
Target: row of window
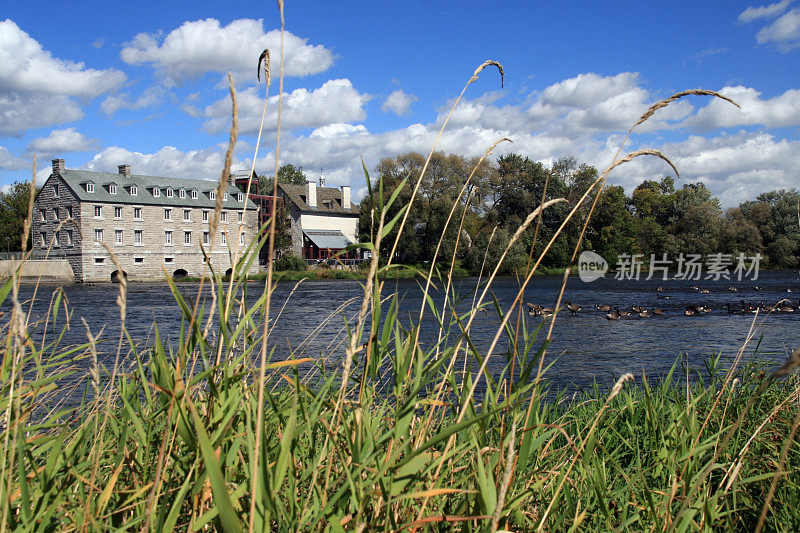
138	237
136	260
60	238
169	192
66	214
137	214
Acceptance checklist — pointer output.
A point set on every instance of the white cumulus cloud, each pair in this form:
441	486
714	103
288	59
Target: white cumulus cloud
780	111
336	101
201	46
399	102
60	142
772	10
37	89
150	97
783	32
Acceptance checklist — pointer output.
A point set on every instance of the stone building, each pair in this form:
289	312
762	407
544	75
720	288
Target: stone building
149	222
323	220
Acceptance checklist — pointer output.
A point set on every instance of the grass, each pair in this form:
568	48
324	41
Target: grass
221	431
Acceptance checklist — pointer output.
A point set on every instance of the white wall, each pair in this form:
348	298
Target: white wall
347	225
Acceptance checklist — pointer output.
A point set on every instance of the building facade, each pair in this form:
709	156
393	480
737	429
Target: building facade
152	224
323	221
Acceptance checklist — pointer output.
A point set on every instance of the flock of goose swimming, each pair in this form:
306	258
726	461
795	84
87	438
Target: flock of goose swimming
613	312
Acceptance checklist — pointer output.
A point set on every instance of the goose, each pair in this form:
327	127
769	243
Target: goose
690	311
659	289
637	309
644	313
767	308
573	308
694	288
547	311
748	308
604	308
757	288
657	311
730	310
663	297
623	313
785	306
705	291
534	310
613	314
732	289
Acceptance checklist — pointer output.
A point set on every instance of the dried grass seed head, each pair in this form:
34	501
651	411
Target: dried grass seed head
664	103
631	156
618	385
483	66
791	363
264	57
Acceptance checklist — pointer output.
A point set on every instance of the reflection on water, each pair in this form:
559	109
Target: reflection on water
585	346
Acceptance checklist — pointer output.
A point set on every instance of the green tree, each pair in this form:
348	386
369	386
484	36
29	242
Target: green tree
13	213
287	173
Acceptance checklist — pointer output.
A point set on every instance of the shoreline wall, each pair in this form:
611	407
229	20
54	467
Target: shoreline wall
49	269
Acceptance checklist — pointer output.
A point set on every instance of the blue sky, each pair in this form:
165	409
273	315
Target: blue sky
103	84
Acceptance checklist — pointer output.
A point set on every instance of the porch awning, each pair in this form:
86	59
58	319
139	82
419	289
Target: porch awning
327	239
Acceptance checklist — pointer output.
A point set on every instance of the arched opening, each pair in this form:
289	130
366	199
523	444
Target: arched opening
179	274
228	273
116	275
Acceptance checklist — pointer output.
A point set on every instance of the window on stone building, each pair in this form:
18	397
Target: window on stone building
69	211
90	187
134	190
181	193
55	190
194	194
223	216
138	260
205	215
239	216
168	214
137	236
137	213
212	195
117	212
167	237
223	239
98	211
187	215
43	241
241	238
156	192
67	237
187	237
169	192
112	188
206	237
99	260
42	214
118	236
240	197
98	235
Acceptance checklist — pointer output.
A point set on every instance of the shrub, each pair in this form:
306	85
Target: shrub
290	261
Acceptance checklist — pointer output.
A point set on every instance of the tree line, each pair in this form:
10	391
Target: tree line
657	217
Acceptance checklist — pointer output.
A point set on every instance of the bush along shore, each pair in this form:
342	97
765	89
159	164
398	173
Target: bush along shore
221	431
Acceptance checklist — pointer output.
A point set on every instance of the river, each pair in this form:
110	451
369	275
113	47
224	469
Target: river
585	346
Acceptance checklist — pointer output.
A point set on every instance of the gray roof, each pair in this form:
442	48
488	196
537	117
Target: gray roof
332	239
331	195
76	180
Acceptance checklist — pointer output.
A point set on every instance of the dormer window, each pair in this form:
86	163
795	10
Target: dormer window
90	187
181	193
156	192
112	188
193	194
225	197
169	192
212	195
55	190
134	190
240	197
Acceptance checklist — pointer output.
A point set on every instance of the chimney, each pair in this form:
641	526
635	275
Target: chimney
125	170
345	197
322	181
311	194
58	166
